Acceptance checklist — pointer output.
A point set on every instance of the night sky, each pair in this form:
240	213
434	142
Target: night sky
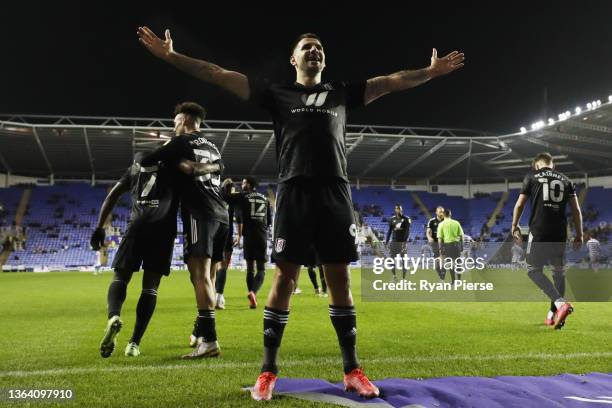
522	62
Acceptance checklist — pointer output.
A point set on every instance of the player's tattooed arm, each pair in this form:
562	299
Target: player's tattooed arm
516	216
196	169
402	80
577	218
231	81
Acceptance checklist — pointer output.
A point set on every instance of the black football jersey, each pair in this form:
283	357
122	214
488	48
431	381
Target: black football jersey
200	195
399	228
548	191
230	199
309	125
154	200
433	225
254	213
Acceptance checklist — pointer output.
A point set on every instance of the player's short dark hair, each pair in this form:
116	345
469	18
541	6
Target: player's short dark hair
301	37
252	182
544	156
192	109
439	207
447	212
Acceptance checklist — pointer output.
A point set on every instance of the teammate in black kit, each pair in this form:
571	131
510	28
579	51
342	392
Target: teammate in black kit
549	192
203	211
227	189
313	205
432	238
398	232
254	219
148	241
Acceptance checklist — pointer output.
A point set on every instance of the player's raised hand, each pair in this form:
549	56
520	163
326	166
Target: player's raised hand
158	47
446	64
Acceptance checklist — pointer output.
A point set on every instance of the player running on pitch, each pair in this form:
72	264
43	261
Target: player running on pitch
314	208
254	219
549	192
148	241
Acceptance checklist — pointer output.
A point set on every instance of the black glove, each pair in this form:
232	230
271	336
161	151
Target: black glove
97	239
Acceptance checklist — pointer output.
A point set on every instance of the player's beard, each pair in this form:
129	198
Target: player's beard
312	70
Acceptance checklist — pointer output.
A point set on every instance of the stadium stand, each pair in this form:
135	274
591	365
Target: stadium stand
59	219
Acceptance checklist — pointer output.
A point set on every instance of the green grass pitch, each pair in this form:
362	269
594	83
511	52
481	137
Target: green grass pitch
51	325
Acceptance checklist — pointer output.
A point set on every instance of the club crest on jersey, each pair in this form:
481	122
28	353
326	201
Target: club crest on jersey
280	245
315	99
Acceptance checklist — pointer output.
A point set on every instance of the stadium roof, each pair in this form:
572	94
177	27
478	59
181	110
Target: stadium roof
69	147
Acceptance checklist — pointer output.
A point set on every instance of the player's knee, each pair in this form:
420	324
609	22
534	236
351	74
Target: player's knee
534	271
122	276
558	271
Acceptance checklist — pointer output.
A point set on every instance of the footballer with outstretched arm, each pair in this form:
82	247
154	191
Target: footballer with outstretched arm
314	209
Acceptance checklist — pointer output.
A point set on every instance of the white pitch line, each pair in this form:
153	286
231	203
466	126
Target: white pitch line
310	362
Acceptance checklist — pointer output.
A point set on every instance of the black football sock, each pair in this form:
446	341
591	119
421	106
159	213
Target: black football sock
536	274
558	276
144	311
344	320
220	280
117	291
250	276
323	282
195	331
206	325
274	325
259	278
313	277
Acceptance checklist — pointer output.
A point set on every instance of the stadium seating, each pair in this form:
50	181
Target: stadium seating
59	219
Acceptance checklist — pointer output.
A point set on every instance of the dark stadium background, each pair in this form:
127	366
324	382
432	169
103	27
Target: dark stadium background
524	59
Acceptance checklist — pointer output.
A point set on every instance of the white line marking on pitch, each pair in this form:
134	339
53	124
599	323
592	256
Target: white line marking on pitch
309	362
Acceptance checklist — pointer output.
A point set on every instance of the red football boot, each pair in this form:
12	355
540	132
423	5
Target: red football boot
356	380
562	312
262	391
252	300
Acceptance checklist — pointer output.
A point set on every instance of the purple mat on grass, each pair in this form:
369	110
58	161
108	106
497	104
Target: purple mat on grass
566	390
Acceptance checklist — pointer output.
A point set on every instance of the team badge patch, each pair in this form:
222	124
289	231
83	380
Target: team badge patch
280	245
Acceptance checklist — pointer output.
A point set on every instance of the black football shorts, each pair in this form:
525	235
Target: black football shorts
542	251
203	238
314	215
255	247
150	247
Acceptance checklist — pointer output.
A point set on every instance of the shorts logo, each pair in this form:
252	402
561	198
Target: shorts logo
316	99
280	245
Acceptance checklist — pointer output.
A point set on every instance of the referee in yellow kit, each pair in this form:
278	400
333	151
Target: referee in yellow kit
450	237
